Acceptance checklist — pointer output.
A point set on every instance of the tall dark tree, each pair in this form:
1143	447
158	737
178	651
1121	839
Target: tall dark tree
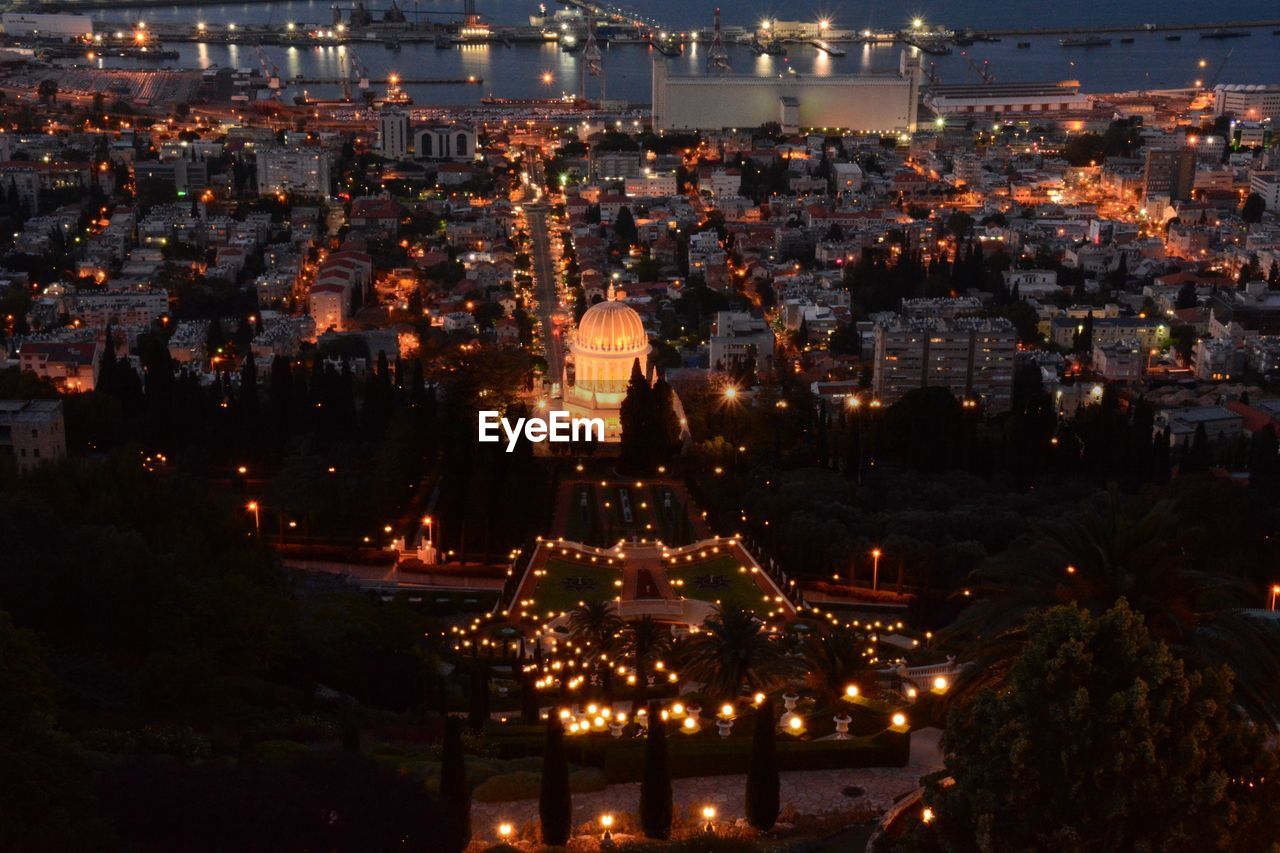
1264	461
1196	455
1253	208
454	790
249	387
655	785
1083	342
625	226
666	420
763	783
636	419
555	803
478	709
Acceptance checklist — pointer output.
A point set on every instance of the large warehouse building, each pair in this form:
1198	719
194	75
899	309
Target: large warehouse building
878	102
55	27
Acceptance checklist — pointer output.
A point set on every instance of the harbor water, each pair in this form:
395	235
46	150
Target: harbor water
529	70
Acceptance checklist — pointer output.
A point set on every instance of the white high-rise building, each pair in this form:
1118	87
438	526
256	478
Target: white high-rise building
394	138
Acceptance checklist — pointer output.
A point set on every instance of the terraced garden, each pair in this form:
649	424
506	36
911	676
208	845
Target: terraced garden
569	581
718	579
601	515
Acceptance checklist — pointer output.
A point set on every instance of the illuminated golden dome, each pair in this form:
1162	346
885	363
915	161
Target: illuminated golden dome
611	327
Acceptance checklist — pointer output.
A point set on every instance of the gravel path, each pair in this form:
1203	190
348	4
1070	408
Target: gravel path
804	793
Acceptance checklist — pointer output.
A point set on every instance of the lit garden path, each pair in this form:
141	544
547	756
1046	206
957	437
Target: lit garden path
806	793
638	562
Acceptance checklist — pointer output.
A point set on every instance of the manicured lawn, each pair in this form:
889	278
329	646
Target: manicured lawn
569	581
717	579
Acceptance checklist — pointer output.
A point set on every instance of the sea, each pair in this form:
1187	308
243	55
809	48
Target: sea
525	70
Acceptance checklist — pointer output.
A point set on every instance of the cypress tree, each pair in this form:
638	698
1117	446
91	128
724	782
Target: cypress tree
1196	456
528	700
666	419
635	418
655	785
453	784
1264	461
478	711
763	797
555	804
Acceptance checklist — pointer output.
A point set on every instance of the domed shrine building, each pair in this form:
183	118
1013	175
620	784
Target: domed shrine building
609	339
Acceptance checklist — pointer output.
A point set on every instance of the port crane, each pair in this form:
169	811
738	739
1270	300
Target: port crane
717	56
593	62
349	62
983	71
270	73
1213	81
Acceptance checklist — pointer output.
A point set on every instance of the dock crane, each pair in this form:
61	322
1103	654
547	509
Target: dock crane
349	62
270	73
593	62
1213	81
983	71
717	56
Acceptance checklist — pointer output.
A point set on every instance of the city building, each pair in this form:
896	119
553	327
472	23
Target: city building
652	185
300	171
19	25
1148	332
972	357
884	101
1218	422
1247	102
610	165
445	142
72	366
739	338
1266	185
1005	98
1122	361
32	431
1169	173
394	137
1216	359
185	176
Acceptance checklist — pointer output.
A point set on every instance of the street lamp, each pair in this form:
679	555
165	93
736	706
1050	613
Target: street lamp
606	823
875	568
1275	594
709	815
252	506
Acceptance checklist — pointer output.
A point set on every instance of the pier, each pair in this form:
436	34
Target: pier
399	81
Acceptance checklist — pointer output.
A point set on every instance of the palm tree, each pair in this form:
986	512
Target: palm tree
732	651
1113	550
834	657
644	643
595	627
